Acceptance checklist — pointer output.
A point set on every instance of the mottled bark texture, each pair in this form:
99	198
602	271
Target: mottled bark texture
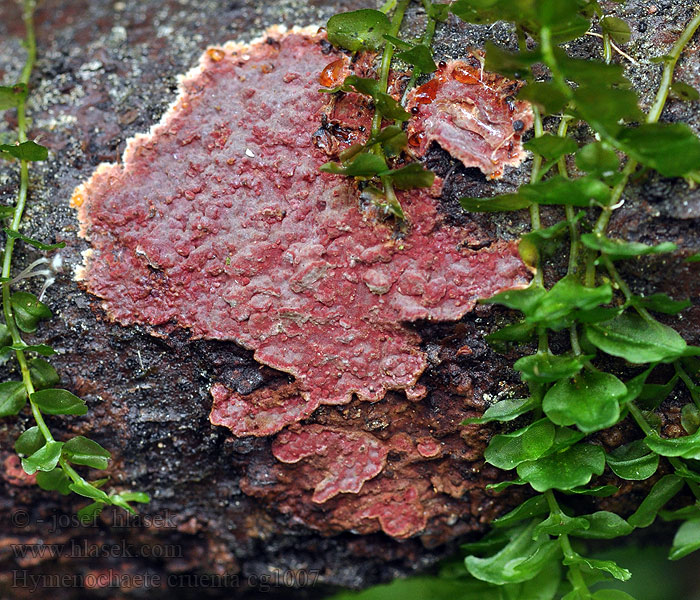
225	505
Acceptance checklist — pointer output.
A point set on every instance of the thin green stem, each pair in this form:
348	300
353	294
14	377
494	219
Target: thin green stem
388	6
667	75
535	221
639	418
30	42
607	48
685	378
577	579
426	40
388	54
652	117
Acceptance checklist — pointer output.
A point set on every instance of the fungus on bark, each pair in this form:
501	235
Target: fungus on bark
219	221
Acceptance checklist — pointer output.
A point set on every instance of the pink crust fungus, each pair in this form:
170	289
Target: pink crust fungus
472	114
347	458
220	221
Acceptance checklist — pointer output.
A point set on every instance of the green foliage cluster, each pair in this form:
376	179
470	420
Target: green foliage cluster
52	461
372	30
538	550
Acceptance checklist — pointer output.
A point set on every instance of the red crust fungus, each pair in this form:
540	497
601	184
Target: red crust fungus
347	458
219	221
472	114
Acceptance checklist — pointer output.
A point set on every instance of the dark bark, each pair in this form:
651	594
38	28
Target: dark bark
107	71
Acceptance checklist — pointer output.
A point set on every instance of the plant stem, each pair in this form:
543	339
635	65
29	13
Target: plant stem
653	117
576	576
28	17
426	40
667	75
685	378
388	54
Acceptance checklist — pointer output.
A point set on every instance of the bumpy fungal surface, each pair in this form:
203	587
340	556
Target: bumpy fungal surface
345	459
472	114
219	221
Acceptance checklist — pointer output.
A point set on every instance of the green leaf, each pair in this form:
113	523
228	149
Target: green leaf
58	402
515	332
524	299
83	451
89	513
44	459
661	303
83	488
685	92
544	367
672	149
635	339
392	138
600	565
560	524
502	485
507	451
410	177
653	394
42	349
597	159
43	374
390	108
620	105
565	438
364	165
505	410
501	203
532	507
565	470
589	401
28	151
617	29
544	240
633	461
690	418
687	446
54	481
583	191
693	258
604	525
13	397
32	242
141	497
520	560
617	249
12	96
118	500
30	441
664	489
687	540
566	296
598	491
358	30
551	147
437	11
421	57
28	311
546	95
594	74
